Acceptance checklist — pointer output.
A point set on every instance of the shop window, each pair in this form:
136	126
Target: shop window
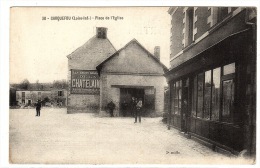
215	95
209	101
200	95
176	97
194	97
207	95
180	93
172	97
227	100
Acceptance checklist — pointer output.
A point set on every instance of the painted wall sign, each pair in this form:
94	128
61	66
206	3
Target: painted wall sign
84	82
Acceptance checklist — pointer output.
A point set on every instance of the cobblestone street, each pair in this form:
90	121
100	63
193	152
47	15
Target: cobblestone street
57	137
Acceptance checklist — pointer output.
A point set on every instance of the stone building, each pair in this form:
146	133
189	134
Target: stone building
30	96
82	69
133	71
98	74
212	78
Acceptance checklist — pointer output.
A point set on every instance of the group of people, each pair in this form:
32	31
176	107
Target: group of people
135	107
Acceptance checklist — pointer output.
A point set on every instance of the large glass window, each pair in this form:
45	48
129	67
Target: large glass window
227	100
215	95
176	97
176	100
180	93
207	95
200	95
207	100
172	97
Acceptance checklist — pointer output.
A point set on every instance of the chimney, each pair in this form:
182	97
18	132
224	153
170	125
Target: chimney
101	32
157	52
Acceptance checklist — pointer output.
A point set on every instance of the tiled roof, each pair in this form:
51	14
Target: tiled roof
91	54
99	67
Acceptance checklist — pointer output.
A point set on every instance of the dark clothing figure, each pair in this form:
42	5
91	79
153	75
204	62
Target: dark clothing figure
138	111
184	116
124	108
111	106
133	106
38	108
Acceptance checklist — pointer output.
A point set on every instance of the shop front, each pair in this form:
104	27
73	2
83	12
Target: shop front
208	94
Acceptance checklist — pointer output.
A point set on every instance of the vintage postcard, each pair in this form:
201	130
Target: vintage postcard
133	85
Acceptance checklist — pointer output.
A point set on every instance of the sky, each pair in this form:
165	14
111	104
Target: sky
38	48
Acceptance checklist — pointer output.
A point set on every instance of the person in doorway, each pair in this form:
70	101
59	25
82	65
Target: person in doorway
138	112
124	108
111	106
133	106
38	108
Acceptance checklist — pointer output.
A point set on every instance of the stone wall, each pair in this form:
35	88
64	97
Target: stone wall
110	89
81	103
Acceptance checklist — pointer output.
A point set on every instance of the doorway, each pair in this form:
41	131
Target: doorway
29	102
126	95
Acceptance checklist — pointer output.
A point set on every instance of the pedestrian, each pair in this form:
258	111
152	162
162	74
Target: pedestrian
38	108
124	108
138	112
111	106
133	106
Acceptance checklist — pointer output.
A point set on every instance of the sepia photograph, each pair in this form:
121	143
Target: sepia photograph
133	85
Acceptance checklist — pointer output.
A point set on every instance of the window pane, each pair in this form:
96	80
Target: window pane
215	95
229	69
172	98
180	100
207	95
200	95
228	100
176	98
194	97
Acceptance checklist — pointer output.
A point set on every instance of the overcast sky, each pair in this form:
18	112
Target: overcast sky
38	48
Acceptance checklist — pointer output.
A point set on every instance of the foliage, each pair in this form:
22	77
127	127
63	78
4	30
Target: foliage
25	84
60	84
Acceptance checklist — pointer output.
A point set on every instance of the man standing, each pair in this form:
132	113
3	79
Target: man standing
38	108
139	106
133	106
124	108
111	106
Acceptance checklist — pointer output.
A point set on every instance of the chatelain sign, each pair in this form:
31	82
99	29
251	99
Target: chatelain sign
84	82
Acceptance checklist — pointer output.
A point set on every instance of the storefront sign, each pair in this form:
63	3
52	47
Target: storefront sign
84	82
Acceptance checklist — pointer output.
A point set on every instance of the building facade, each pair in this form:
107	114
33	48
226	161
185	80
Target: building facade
30	97
98	74
83	79
130	72
212	78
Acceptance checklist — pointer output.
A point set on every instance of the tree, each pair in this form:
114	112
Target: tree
25	84
37	85
60	84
